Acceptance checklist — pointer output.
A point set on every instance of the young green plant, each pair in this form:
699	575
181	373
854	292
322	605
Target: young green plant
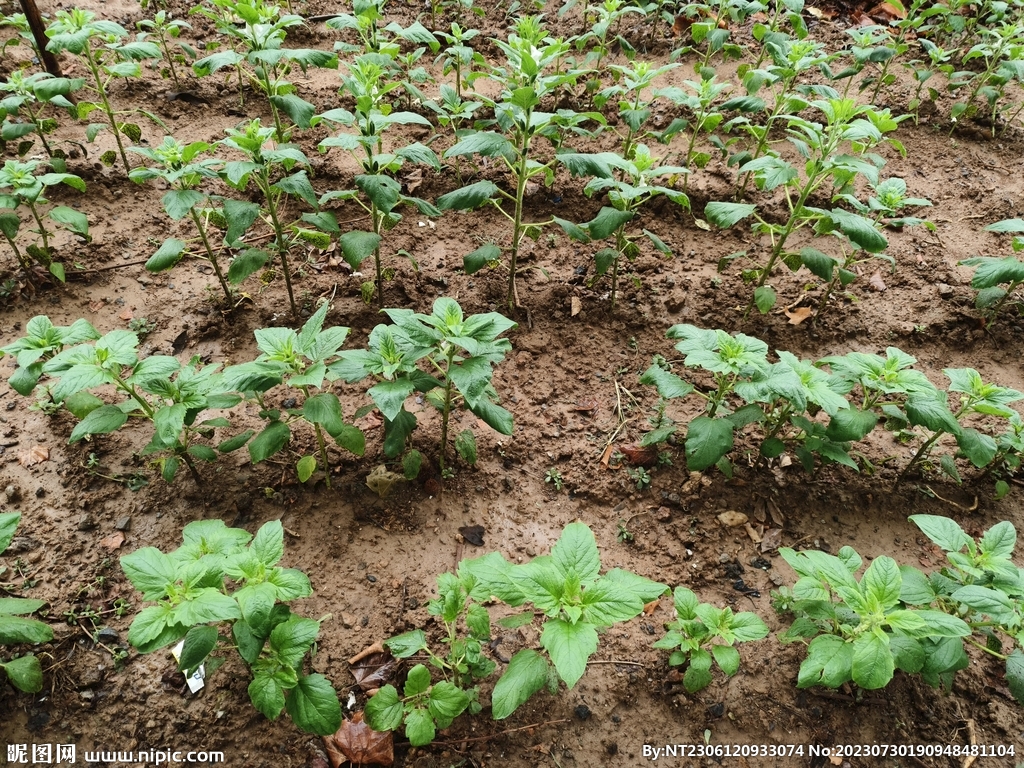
189	589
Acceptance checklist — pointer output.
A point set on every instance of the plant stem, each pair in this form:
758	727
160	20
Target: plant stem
282	246
517	221
209	253
24	263
39	221
447	408
102	91
321	444
192	468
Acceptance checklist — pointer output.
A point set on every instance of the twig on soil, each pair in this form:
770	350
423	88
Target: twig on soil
293	534
368	651
110	267
500	733
973	736
962	508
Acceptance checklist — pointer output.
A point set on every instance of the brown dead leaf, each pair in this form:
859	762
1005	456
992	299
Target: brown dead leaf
586	406
776	514
96	306
606	457
651	607
876	282
575	306
731	518
113	541
861	19
887	12
37	454
836	759
798	315
771	540
413	180
640	456
473	534
542	748
126	315
356	743
754	535
680	25
373	671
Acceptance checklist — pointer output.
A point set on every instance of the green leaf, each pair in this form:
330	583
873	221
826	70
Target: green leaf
883	581
764	298
150	571
574	231
999	540
245	263
15	629
991	271
576	552
103	420
643	588
314	706
943	531
384	710
979	449
820	264
411	464
931	411
569	646
872	664
24	673
727	658
446	702
268	442
240	215
859	230
476	260
707	440
71	219
199	642
417	681
167	255
356	246
604	259
698	674
526	674
407	644
267	695
305	467
299	110
987	601
669	384
850	425
178	202
465	446
81	404
724	215
419	727
236	442
486	143
607	221
268	544
468	197
13	606
608	602
479	622
1014	674
829	662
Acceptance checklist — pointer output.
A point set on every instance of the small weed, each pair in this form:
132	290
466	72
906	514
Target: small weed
623	534
555	478
142	326
641	477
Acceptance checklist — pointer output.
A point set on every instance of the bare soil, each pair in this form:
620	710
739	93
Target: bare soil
373	562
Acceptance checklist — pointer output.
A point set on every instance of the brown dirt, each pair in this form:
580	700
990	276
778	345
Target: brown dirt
373	562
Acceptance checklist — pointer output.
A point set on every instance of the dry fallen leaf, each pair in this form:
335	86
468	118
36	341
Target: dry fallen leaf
640	456
886	12
861	19
651	607
771	540
731	518
381	479
358	744
113	541
37	454
836	759
876	282
576	306
96	306
126	315
606	457
473	534
798	315
373	671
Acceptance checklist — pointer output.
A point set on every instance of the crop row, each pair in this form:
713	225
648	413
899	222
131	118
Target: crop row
832	135
449	358
224	590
